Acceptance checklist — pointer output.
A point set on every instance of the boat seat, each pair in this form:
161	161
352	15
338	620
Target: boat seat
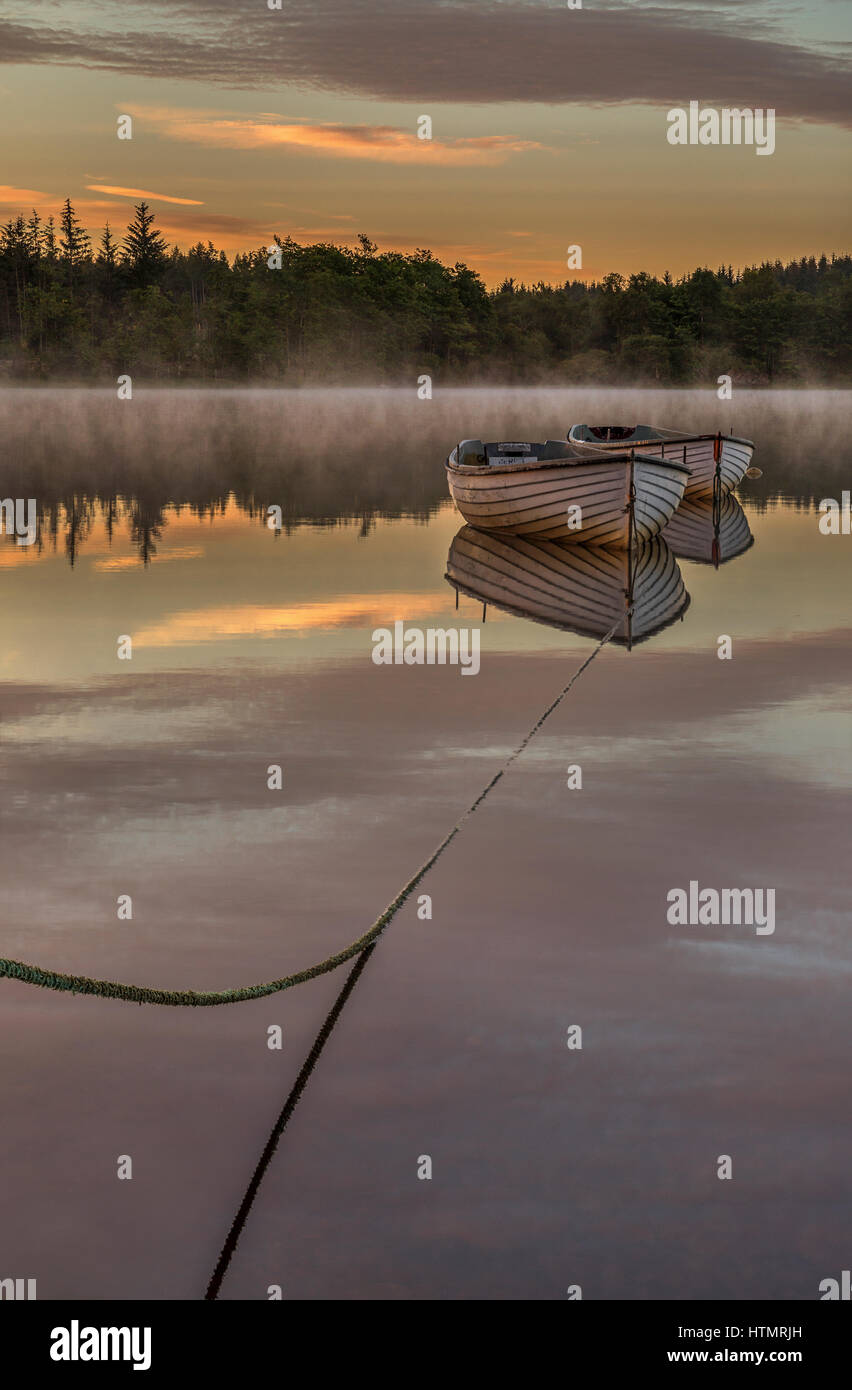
520	448
471	453
527	449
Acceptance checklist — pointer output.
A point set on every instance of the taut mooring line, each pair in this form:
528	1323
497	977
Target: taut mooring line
143	994
280	1125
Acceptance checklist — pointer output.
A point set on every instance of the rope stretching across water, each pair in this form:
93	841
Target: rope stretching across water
143	994
295	1095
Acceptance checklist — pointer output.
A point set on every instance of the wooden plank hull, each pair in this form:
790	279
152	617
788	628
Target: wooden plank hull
709	533
577	588
534	500
705	455
734	457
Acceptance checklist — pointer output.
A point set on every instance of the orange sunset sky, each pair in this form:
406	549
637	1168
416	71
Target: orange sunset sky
549	126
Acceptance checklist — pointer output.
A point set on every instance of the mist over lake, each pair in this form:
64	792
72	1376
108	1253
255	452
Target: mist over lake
343	454
252	647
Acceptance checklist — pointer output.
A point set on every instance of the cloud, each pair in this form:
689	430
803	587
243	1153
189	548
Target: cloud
461	51
258	620
229	233
18	197
20	200
381	144
142	193
23	201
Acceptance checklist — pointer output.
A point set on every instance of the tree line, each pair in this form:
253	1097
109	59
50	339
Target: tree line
70	309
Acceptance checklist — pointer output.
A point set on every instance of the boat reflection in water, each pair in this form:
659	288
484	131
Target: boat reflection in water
709	532
577	588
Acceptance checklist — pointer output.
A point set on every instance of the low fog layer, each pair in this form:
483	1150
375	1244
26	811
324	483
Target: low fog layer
326	456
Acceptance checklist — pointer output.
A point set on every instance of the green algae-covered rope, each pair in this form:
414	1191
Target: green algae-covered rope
143	994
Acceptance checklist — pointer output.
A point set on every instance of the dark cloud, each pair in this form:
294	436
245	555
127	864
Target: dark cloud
464	52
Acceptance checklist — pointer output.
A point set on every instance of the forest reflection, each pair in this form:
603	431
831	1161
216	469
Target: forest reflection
326	458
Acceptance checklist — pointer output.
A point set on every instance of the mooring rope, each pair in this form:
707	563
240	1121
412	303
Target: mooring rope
143	994
281	1123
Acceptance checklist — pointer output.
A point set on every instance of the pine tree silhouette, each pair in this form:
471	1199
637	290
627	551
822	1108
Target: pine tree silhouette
75	247
107	251
144	247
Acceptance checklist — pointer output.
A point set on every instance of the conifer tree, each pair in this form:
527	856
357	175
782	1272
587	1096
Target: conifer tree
144	247
74	245
108	250
35	232
49	235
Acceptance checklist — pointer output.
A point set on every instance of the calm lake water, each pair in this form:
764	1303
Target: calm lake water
551	1166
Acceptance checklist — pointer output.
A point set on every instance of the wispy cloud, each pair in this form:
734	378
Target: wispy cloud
257	620
21	197
230	233
142	193
459	51
381	144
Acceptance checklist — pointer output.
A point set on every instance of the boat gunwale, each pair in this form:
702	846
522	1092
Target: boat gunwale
665	436
593	458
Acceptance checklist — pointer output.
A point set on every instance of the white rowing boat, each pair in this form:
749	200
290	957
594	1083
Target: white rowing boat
577	588
709	532
715	461
559	491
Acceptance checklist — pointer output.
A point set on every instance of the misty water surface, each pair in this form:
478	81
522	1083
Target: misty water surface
550	1167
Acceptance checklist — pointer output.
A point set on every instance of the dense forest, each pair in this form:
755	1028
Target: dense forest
323	313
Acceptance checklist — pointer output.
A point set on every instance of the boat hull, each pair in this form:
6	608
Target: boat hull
709	532
534	500
584	589
715	461
708	456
